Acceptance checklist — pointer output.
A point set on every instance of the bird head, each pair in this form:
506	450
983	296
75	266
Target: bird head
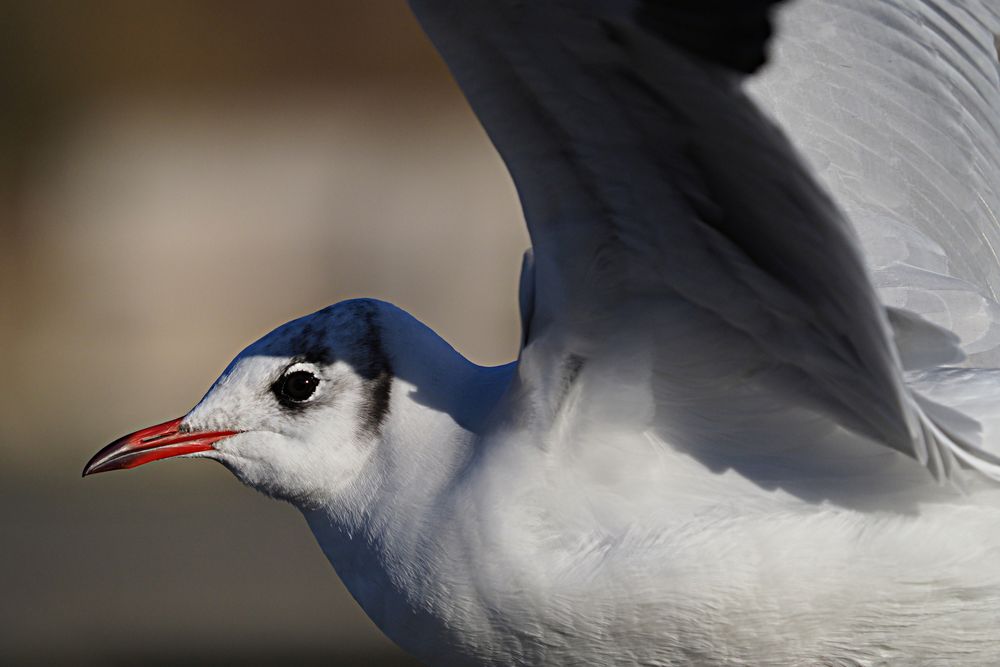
296	415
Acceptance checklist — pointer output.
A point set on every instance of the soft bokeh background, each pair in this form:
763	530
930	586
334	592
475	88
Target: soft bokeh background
176	179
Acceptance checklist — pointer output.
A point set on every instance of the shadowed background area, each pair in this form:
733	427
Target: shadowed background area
176	179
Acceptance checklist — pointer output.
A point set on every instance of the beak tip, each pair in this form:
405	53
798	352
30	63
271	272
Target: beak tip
92	467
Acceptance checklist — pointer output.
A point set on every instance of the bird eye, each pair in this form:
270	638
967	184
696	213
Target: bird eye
296	387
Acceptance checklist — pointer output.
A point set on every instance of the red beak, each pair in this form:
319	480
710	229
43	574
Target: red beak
152	444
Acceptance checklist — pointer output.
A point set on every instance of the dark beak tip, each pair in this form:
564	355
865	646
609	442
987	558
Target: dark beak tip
93	466
98	462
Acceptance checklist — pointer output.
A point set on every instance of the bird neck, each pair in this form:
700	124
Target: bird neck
440	404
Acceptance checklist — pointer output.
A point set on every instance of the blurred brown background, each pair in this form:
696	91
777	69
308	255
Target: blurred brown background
177	178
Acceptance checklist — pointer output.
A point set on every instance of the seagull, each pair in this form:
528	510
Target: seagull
752	420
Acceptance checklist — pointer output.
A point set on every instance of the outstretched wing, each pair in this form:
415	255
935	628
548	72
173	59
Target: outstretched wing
669	217
896	107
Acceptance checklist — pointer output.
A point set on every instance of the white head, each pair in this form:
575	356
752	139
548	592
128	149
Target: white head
297	415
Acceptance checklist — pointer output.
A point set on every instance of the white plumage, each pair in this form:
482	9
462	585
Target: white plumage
717	446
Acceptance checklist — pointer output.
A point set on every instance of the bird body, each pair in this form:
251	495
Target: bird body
500	544
739	430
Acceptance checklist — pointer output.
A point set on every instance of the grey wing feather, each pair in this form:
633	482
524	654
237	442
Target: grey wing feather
896	106
657	195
